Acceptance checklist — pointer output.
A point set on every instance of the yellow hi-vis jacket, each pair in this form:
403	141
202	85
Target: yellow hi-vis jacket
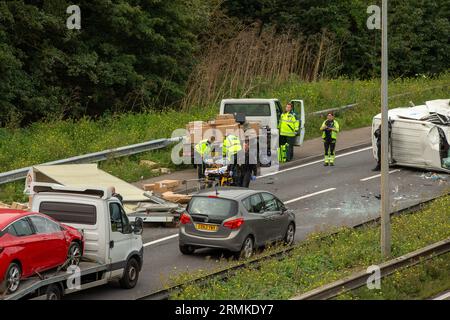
231	146
289	125
203	148
333	133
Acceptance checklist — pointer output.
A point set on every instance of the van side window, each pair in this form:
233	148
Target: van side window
279	109
119	220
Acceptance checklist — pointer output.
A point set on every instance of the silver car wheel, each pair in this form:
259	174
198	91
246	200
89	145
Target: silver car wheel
247	248
74	255
13	278
290	234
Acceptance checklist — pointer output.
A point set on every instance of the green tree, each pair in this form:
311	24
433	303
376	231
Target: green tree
128	55
418	30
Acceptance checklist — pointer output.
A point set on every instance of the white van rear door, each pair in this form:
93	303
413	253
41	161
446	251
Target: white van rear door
299	108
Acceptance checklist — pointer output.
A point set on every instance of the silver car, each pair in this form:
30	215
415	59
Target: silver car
235	219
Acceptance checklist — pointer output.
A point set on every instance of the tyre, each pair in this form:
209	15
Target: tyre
247	250
54	292
186	249
73	254
12	279
130	274
290	235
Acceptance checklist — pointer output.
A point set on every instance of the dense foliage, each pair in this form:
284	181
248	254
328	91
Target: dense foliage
136	55
418	30
128	55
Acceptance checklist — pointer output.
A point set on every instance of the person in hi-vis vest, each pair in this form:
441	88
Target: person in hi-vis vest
203	151
288	127
330	129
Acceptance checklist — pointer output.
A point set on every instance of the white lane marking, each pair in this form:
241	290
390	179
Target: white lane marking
378	175
311	163
286	202
443	297
160	240
309	195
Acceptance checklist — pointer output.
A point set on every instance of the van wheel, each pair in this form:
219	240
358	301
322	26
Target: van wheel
73	254
53	292
130	274
247	250
290	235
12	279
187	249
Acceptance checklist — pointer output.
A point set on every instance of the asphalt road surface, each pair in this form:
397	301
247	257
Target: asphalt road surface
322	197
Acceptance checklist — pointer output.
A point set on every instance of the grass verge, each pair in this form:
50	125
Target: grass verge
319	261
58	139
421	281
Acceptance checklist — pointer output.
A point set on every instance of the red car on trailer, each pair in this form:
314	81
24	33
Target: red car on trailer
30	243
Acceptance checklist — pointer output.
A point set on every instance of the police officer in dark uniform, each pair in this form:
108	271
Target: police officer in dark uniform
377	135
247	169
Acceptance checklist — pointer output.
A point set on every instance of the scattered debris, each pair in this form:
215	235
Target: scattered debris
433	176
162	186
149	187
148	164
4	205
176	197
19	206
161	171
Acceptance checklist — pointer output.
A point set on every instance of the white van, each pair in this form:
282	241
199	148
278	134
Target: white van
420	136
265	111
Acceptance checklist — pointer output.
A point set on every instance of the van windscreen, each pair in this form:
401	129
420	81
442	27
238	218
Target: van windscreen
249	109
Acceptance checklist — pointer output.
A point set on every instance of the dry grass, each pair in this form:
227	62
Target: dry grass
252	59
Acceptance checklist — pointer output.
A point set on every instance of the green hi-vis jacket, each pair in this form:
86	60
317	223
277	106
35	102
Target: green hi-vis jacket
289	125
203	147
231	146
333	133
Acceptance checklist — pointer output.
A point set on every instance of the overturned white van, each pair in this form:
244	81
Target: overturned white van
419	136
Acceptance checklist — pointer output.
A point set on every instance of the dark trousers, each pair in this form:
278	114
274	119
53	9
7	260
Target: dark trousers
200	167
201	170
330	146
379	153
290	150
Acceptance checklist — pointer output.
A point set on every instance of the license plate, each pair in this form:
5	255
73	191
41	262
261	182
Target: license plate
206	227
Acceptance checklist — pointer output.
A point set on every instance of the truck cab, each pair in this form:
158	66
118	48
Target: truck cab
265	111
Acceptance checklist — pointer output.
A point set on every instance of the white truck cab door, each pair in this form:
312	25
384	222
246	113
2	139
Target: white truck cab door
299	108
121	238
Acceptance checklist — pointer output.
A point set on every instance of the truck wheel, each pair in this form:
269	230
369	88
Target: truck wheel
12	279
130	274
53	292
186	249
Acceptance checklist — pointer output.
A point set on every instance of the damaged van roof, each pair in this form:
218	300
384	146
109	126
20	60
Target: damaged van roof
435	111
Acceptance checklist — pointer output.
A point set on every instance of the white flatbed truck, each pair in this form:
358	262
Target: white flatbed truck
113	248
